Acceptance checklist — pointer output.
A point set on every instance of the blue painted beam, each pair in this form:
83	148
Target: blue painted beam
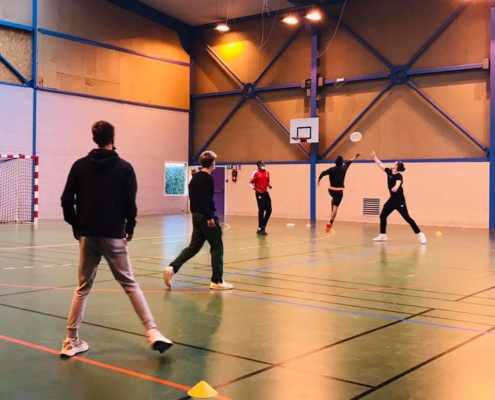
313	100
220	127
224	64
441	70
364	78
279	123
283	86
191	113
13	69
435	36
278	55
16	26
492	118
217	94
110	47
448	117
363	42
34	84
357	119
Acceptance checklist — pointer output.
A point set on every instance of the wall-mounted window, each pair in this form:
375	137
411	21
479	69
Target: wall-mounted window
176	178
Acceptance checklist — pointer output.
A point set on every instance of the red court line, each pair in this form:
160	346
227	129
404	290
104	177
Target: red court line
105	366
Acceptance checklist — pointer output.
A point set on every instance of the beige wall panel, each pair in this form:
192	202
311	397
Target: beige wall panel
344	56
247	53
108	73
16	46
465	41
397	28
251	134
400	126
465	97
19	11
431	202
208	115
102	21
209	76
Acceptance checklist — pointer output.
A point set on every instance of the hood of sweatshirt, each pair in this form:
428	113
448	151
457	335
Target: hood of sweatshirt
102	159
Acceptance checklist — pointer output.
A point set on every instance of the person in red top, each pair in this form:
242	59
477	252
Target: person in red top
260	183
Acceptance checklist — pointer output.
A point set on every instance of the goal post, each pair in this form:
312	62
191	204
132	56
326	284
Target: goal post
19	184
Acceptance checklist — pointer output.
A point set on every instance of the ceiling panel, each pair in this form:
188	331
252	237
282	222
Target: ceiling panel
199	12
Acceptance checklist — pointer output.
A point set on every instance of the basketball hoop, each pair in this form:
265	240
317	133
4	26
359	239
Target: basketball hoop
300	139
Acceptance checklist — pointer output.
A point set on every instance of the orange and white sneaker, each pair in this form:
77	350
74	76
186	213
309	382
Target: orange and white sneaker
221	286
329	226
71	347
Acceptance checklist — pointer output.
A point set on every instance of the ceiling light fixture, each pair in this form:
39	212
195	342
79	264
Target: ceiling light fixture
222	28
314	15
290	20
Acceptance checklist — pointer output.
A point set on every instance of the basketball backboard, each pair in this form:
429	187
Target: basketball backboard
307	129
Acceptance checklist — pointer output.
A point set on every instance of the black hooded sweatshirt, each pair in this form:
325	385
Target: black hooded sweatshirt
103	188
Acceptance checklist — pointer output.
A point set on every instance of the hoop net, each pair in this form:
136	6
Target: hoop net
19	189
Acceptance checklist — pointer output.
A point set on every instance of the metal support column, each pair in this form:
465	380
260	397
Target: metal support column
314	113
34	84
492	117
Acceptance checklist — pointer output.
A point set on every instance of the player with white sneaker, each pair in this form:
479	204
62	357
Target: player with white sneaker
103	187
206	226
397	200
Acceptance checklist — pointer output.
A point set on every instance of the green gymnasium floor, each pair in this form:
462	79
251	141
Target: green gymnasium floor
312	316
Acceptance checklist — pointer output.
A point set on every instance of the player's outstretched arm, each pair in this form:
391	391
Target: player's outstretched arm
377	160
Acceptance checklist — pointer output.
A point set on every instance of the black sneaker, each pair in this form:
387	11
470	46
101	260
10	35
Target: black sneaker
261	232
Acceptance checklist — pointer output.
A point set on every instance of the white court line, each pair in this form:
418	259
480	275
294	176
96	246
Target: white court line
10	268
28	267
47	266
66	265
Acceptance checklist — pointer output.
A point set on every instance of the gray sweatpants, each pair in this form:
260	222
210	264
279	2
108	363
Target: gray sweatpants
115	252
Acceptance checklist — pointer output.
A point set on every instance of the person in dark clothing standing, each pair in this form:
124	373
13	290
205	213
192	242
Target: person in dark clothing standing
260	183
103	187
397	200
336	176
206	226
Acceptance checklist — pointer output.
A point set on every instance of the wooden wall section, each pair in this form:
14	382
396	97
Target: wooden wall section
16	46
251	134
400	125
82	68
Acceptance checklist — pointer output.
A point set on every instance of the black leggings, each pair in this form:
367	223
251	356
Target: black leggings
264	209
396	204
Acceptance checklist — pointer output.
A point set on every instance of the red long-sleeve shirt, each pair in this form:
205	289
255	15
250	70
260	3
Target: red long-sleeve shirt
260	181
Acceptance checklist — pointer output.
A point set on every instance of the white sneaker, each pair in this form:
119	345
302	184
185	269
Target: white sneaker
422	237
158	341
168	276
221	286
71	347
381	238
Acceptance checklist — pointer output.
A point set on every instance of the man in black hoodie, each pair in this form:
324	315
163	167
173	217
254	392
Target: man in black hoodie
103	187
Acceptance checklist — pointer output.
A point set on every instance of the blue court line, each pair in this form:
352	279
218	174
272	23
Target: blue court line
355	313
246	271
361	314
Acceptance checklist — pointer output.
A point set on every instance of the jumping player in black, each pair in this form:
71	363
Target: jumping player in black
397	200
336	191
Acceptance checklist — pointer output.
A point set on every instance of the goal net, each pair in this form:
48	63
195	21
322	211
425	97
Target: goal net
18	189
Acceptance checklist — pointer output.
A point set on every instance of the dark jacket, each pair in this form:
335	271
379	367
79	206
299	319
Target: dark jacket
103	188
201	194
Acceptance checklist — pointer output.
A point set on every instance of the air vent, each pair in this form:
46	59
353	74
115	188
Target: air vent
371	206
